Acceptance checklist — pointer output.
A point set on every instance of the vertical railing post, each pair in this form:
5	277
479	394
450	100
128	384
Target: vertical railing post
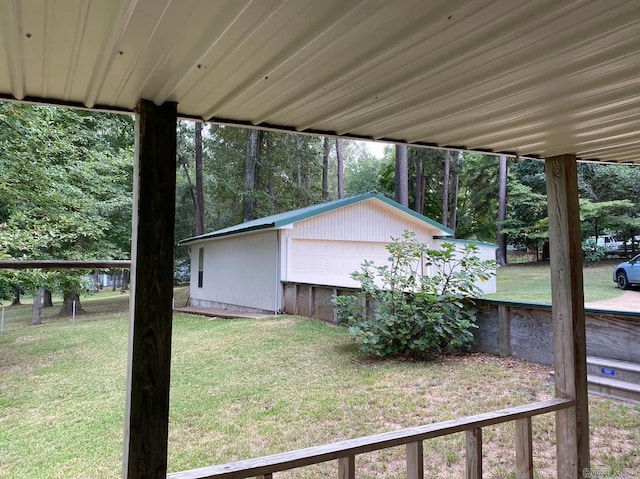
504	330
567	300
524	449
474	453
147	405
312	301
415	460
347	467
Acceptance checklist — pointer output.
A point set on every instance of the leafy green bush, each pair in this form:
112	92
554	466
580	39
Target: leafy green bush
402	312
592	251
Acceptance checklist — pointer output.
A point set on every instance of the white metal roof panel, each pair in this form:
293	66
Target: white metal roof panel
534	78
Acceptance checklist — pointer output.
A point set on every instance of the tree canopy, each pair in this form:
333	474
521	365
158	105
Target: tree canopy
65	191
66	187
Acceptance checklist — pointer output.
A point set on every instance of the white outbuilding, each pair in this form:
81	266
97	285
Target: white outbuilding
245	267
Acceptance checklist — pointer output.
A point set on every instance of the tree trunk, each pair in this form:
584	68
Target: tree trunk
271	189
68	298
456	188
95	280
445	188
340	161
402	175
37	306
303	181
299	162
47	300
251	165
199	203
326	149
183	163
420	182
501	256
125	281
16	297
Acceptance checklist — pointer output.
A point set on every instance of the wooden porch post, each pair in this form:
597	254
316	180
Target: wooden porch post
147	404
569	338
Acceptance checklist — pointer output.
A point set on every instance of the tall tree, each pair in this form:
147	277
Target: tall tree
340	162
502	211
326	149
598	218
199	206
299	162
445	188
250	173
419	159
362	174
190	144
65	191
453	205
402	175
477	199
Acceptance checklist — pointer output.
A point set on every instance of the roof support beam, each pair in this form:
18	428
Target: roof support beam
569	337
147	404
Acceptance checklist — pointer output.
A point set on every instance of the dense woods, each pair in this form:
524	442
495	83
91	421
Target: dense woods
66	187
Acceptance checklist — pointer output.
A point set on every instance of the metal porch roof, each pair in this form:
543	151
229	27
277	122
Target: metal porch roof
526	77
285	219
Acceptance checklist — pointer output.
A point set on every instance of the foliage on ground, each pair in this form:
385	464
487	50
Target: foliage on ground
401	312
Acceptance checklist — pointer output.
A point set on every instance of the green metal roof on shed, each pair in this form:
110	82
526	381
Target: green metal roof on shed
290	217
468	241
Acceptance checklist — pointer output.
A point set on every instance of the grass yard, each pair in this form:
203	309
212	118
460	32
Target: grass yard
531	282
244	388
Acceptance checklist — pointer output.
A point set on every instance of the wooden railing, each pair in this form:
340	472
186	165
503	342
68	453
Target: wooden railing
412	438
64	264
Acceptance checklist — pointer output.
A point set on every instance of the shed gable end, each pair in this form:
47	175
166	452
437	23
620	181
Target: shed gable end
369	221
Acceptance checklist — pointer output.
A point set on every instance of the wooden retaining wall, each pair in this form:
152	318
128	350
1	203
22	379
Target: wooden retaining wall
505	328
312	301
525	331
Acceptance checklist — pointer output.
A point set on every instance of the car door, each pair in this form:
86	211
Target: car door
633	271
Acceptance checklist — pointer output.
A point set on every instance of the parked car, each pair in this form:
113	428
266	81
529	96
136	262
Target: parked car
627	273
627	247
606	244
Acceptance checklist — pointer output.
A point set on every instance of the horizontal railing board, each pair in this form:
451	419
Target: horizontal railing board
64	264
327	452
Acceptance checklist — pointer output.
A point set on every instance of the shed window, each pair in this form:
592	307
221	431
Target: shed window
200	266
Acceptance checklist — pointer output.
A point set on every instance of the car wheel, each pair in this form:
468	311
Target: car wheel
623	282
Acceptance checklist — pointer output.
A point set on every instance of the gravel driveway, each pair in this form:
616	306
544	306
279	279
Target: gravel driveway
629	301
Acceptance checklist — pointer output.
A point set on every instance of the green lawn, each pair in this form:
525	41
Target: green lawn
244	388
531	282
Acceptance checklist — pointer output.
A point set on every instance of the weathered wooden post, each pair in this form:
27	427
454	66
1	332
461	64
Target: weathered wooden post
504	330
147	404
569	337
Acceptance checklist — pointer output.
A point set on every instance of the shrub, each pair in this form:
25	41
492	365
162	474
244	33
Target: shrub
401	312
592	252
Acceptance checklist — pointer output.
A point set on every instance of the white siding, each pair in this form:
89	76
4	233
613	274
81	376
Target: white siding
485	252
331	262
238	271
370	220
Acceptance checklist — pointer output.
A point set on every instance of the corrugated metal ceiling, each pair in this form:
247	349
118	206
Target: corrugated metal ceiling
528	77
